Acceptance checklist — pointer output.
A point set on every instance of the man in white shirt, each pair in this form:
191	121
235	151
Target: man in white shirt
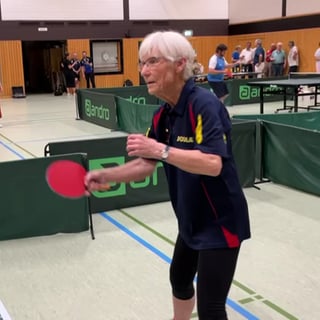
293	57
246	58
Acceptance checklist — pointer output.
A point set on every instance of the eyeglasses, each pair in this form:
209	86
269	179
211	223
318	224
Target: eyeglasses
150	63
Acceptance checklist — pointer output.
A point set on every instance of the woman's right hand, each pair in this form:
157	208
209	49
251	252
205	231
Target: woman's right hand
96	180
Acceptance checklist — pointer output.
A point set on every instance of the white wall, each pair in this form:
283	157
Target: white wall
43	10
254	10
178	9
238	11
299	7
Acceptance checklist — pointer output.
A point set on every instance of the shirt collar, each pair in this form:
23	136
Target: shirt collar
180	107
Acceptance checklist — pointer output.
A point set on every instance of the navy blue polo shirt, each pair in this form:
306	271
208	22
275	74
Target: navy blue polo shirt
211	211
259	51
85	62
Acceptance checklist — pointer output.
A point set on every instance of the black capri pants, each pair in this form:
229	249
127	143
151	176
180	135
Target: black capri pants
215	269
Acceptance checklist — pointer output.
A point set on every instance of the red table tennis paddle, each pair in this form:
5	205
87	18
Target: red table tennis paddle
66	178
228	73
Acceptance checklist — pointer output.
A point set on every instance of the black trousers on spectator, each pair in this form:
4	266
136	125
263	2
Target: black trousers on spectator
293	69
90	78
247	67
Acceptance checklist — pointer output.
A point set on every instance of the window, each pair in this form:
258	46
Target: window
107	56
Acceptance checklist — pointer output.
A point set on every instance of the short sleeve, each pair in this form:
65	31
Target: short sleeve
212	125
152	131
213	62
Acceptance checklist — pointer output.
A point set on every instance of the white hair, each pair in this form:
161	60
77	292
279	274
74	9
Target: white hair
172	45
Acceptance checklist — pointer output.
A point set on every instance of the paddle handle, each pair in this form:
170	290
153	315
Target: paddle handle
104	187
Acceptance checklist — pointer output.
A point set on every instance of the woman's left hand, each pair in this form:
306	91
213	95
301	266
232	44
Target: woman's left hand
138	145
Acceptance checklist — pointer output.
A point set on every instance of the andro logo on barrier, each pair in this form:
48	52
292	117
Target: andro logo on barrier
120	189
248	92
140	100
100	112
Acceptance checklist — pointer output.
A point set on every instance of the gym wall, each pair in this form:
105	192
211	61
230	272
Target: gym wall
210	27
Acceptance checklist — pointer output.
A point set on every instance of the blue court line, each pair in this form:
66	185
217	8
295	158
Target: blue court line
12	150
246	314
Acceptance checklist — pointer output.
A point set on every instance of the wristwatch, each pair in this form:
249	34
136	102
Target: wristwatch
165	153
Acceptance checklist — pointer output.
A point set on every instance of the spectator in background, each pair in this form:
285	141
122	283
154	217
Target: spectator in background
293	57
76	69
235	57
66	66
258	58
87	69
278	58
268	62
197	68
317	57
246	57
217	70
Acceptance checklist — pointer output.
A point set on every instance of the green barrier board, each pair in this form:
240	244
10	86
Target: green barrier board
30	208
135	94
308	120
133	117
240	93
244	150
98	108
92	107
103	153
291	156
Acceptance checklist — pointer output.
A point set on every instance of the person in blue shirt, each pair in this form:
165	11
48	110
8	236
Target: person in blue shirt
191	134
87	69
217	70
236	58
278	58
258	58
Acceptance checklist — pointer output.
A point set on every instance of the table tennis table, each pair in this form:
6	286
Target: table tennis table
287	88
233	75
246	75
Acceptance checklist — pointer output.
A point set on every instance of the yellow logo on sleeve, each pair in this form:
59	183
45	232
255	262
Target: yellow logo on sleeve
224	138
199	135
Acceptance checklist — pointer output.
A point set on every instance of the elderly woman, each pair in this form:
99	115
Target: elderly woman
190	134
